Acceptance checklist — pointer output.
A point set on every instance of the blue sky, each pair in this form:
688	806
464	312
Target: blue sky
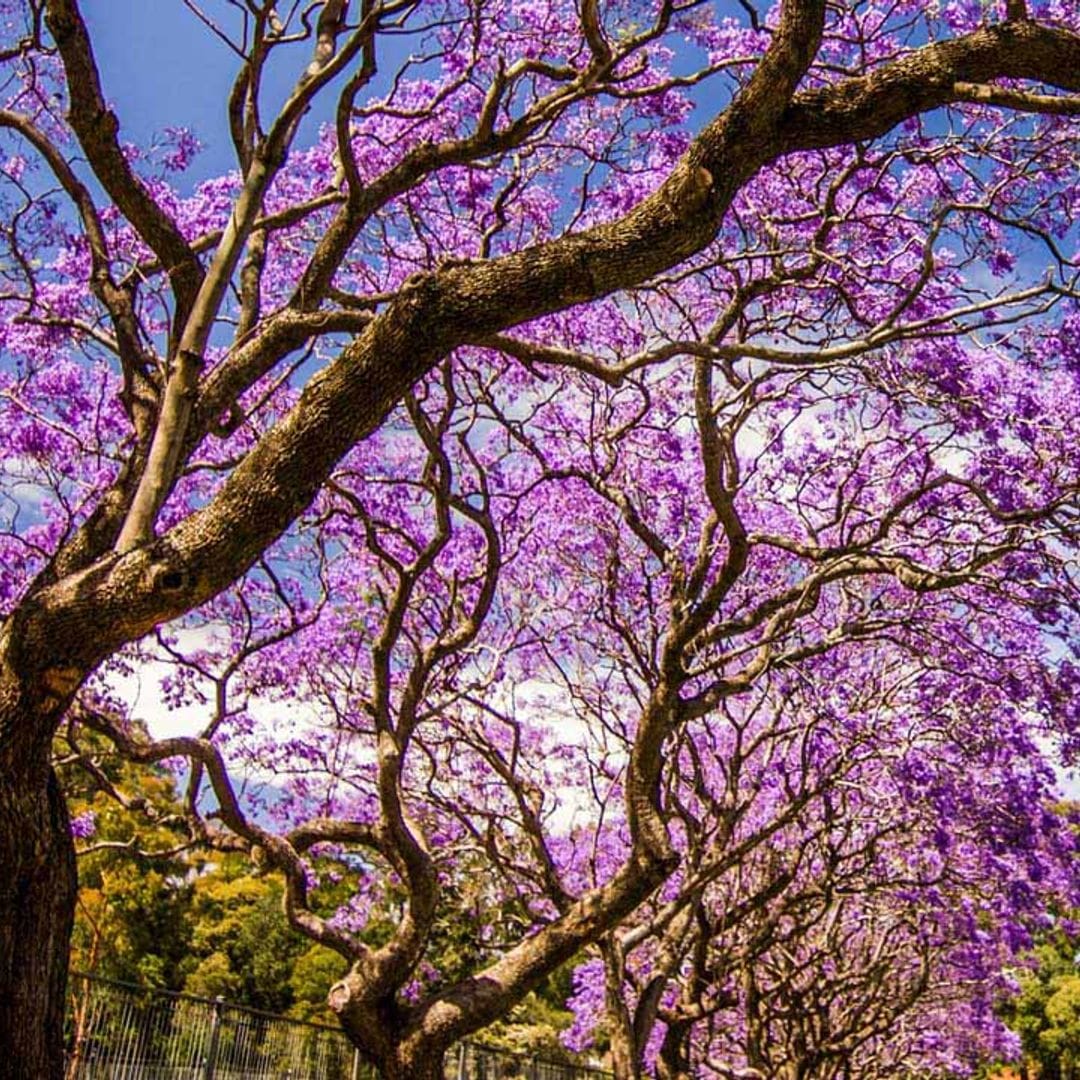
160	67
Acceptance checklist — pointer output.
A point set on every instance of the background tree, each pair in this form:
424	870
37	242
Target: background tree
187	377
1046	1014
866	933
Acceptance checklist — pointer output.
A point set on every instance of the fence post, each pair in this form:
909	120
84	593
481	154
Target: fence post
461	1061
355	1064
215	1035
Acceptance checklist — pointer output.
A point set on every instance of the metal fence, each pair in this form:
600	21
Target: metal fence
473	1061
122	1032
116	1031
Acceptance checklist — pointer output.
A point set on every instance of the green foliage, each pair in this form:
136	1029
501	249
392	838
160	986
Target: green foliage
1046	1015
242	948
213	976
131	921
154	913
240	945
313	973
532	1027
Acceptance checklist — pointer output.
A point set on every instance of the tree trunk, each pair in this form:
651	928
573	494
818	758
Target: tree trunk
418	1067
625	1056
37	907
413	1061
381	1032
674	1059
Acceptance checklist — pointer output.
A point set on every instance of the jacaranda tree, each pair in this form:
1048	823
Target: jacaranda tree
848	900
595	368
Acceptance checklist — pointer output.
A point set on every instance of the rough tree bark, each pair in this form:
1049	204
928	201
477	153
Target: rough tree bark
37	905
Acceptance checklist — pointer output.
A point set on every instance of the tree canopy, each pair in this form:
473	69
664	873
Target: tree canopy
618	480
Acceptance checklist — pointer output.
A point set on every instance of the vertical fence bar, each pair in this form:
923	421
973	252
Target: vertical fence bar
215	1036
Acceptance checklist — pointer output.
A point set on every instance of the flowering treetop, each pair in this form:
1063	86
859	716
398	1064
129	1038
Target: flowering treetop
589	384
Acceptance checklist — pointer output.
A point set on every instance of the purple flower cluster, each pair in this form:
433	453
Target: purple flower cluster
739	606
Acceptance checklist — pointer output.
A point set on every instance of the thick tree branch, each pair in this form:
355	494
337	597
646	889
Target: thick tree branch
123	597
1020	100
868	106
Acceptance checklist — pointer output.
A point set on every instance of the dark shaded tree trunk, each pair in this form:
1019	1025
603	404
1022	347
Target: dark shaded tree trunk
37	907
625	1056
420	1065
381	1031
674	1059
